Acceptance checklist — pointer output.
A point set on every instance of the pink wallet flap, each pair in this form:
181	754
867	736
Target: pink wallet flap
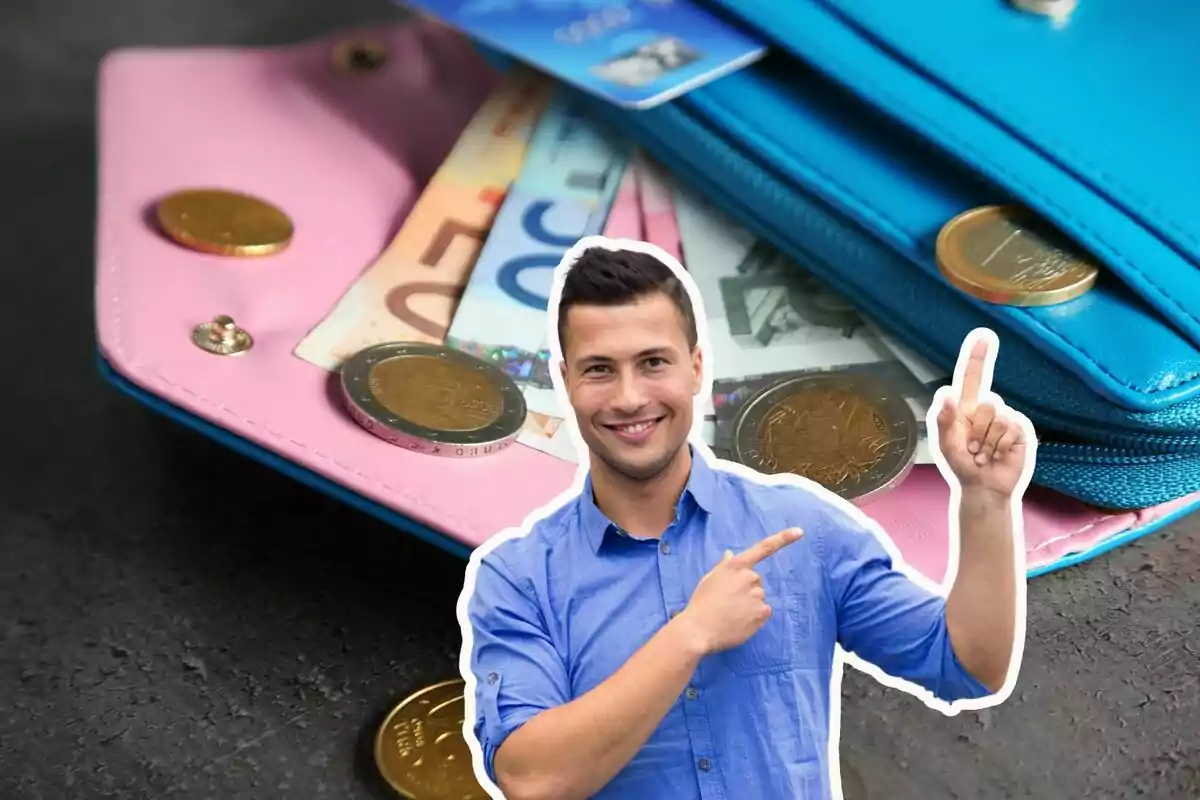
345	154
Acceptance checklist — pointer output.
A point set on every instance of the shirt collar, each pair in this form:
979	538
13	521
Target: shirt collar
701	488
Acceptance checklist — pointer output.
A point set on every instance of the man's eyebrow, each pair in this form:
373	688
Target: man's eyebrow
597	358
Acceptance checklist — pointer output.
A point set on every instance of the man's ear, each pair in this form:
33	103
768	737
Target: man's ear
697	369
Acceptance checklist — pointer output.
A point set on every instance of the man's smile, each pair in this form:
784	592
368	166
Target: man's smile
635	431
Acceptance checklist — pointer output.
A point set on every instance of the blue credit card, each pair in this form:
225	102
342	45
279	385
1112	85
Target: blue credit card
634	53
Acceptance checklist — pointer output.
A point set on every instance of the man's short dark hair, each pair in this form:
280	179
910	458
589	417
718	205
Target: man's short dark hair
604	277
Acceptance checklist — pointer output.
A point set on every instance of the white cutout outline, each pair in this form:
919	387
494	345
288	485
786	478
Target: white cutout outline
841	657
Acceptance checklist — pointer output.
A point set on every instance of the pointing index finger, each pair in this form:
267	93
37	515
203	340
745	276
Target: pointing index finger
768	547
972	372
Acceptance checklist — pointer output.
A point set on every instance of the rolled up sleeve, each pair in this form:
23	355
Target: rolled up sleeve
518	671
885	617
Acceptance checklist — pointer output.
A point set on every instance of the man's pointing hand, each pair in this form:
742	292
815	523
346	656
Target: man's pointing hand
729	604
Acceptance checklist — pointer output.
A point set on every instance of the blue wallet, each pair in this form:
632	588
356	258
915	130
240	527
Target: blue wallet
870	125
354	131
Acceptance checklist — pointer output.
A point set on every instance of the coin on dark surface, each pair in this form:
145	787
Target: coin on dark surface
433	399
420	749
1008	255
224	222
853	434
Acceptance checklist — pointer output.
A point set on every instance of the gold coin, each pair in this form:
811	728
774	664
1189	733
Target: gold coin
1008	255
433	399
436	393
224	223
852	434
420	749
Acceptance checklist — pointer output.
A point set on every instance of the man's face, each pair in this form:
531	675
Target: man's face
631	379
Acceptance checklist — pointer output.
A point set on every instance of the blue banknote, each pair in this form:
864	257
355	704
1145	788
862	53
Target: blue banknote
564	192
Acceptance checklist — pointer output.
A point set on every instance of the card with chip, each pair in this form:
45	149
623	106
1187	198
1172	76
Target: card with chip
634	53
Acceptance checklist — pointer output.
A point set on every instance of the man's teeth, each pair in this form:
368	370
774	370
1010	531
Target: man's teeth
638	428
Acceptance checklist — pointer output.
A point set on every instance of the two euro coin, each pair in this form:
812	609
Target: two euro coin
853	434
433	399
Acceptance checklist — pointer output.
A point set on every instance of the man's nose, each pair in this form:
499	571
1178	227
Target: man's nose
628	397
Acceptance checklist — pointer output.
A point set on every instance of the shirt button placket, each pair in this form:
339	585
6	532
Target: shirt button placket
700	731
670	579
670	570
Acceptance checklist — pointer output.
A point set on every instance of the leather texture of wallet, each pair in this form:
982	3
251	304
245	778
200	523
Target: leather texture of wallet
346	156
869	126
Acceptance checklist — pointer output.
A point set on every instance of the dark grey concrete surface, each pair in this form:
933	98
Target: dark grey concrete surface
180	622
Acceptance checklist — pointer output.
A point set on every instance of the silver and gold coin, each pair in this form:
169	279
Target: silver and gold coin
851	433
420	749
223	222
1008	255
433	399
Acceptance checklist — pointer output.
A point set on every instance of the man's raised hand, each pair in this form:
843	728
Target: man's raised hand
986	445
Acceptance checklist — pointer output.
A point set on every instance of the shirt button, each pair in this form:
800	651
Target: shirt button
665	548
493	677
703	764
691	693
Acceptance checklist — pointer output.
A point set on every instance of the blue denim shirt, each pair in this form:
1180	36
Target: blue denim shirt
557	611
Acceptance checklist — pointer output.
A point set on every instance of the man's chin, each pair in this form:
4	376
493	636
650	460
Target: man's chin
640	471
641	464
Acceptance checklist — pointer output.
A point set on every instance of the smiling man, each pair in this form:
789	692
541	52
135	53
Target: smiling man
670	632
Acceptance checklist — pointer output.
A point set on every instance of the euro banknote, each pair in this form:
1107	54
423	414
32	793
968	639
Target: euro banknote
769	319
644	208
656	197
412	289
563	193
625	218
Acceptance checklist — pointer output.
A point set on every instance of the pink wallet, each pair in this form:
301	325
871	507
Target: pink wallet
346	153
